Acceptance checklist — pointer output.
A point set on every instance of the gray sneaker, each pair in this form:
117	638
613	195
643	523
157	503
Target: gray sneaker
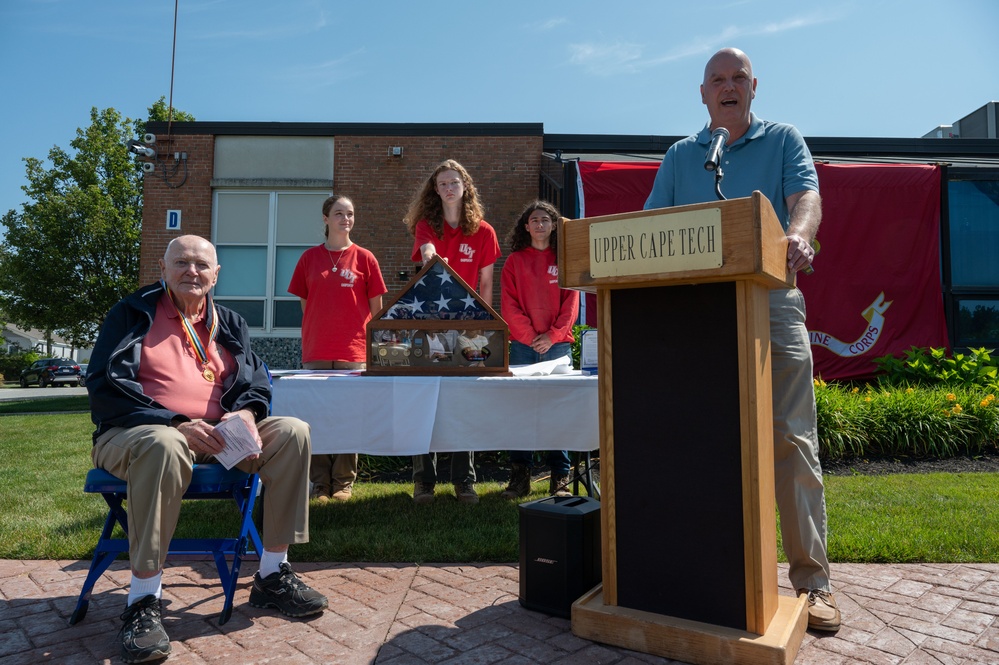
142	636
284	591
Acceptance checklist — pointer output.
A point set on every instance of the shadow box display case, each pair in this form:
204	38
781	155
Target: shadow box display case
438	324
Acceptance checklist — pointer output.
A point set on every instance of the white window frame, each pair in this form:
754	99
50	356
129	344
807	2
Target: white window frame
269	297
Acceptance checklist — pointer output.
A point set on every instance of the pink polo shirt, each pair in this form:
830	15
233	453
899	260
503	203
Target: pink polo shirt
169	369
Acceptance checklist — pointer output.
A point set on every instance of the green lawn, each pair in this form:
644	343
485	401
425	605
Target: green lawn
44	514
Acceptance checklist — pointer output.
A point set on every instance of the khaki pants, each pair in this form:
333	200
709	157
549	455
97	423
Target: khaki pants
157	464
332	473
797	472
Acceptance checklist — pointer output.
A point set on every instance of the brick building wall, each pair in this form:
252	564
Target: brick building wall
166	189
505	170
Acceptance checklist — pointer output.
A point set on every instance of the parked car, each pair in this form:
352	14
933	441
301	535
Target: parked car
83	374
50	372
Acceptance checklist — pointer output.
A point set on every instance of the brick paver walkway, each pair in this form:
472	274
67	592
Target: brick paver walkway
397	614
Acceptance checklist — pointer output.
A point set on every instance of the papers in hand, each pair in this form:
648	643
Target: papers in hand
239	443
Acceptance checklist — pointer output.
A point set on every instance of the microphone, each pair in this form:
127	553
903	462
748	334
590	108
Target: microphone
718	139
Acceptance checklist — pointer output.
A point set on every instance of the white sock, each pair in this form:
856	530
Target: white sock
139	588
270	562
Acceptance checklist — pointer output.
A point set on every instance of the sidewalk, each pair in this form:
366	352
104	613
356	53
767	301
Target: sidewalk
398	614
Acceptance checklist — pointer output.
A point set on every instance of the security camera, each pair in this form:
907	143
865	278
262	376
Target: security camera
138	148
148	167
149	138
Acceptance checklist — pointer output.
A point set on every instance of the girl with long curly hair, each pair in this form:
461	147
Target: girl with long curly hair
445	219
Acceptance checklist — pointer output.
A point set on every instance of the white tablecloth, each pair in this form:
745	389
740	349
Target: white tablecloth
411	415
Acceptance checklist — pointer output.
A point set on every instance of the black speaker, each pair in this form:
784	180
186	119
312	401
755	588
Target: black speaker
559	552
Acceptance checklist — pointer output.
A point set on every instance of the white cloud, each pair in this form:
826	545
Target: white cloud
628	58
330	71
607	59
544	26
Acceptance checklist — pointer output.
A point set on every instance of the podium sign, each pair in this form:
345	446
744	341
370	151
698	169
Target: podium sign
688	532
657	243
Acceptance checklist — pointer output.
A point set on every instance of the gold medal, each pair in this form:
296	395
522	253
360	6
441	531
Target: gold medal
208	374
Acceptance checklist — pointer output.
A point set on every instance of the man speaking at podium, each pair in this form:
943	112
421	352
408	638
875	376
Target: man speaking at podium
772	158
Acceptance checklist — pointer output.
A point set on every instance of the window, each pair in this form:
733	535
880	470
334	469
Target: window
977	322
974	253
974	232
260	237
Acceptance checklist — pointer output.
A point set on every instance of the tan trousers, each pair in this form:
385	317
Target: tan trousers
797	472
332	473
157	464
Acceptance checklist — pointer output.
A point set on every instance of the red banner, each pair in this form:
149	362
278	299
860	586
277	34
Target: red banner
612	187
876	286
609	188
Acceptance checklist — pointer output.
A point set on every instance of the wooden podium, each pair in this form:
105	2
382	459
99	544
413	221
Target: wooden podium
688	526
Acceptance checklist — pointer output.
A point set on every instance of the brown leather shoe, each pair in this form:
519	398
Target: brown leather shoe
423	493
465	492
520	482
321	495
342	493
822	611
559	486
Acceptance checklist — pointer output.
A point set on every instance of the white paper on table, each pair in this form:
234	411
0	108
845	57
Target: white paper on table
239	443
561	365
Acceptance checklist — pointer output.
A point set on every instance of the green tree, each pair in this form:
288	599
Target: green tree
160	112
73	250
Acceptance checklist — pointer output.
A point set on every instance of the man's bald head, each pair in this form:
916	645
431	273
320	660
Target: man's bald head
725	53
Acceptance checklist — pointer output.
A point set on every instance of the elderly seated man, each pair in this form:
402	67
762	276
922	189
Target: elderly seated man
168	365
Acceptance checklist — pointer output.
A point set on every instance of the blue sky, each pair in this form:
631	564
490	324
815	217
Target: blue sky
893	68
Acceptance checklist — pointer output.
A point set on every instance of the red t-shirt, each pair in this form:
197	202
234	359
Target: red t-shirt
466	255
336	304
532	302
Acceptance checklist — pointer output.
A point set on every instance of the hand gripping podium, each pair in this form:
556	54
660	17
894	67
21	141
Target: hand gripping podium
688	532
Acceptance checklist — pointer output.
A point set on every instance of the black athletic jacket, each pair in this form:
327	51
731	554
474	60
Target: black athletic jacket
116	397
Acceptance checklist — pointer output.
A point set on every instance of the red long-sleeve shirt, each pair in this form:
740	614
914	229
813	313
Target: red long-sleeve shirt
532	302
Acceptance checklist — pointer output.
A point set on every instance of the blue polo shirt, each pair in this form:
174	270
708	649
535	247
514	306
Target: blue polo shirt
770	157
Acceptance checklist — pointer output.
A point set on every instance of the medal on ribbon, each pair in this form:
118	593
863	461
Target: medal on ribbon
211	322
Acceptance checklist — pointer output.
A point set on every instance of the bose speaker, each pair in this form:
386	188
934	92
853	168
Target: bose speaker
559	552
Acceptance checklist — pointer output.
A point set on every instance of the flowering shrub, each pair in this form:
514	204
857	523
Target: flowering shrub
881	421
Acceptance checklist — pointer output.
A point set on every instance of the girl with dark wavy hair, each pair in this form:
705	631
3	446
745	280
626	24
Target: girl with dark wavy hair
540	316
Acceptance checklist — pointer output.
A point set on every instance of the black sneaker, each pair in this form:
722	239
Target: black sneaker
284	591
142	636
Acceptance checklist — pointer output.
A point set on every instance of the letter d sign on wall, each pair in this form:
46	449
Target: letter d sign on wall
173	220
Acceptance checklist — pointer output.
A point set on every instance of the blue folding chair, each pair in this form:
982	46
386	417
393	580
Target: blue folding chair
209	481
